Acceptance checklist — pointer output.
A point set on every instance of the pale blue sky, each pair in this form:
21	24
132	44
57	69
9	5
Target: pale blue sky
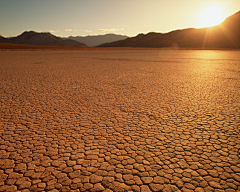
91	17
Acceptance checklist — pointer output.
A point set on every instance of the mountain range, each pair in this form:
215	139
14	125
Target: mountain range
95	40
34	38
225	35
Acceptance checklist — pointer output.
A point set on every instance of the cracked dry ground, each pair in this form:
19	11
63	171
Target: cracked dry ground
120	120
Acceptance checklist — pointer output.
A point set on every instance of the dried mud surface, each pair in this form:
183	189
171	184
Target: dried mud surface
120	120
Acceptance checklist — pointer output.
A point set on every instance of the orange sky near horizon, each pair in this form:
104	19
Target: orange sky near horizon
127	17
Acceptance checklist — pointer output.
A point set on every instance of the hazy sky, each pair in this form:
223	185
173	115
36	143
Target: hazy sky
91	17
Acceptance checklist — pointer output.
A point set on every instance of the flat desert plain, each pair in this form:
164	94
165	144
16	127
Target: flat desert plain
120	120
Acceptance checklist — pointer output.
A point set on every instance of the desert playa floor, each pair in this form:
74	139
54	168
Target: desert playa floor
120	120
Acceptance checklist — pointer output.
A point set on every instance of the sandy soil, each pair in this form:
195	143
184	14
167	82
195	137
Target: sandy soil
120	120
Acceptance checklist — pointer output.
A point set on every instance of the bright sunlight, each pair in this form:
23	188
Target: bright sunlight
211	15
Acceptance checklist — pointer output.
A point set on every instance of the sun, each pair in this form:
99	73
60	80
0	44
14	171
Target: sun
211	15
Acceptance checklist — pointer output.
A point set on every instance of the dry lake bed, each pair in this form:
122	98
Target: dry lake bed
120	120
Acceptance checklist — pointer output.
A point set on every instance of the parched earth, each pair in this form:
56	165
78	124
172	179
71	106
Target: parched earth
120	120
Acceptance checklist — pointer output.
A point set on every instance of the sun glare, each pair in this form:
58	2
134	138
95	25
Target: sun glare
211	16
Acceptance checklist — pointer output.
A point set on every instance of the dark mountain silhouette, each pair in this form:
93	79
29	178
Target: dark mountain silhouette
34	38
4	40
225	35
98	39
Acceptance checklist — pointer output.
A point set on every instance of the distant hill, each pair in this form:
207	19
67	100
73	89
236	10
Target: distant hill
98	39
4	40
34	38
225	35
